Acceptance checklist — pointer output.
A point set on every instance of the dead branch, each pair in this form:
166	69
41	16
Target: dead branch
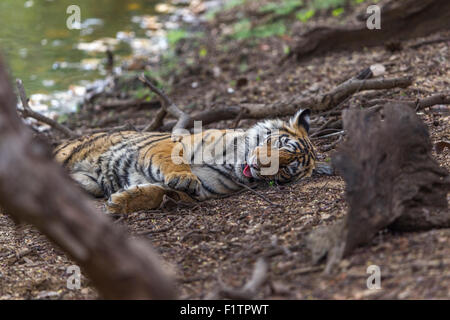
427	42
120	104
338	133
419	104
249	290
392	181
124	127
256	193
400	20
34	189
183	118
157	122
289	106
330	146
27	112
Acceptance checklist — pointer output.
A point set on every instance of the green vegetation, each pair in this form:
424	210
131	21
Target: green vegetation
173	36
203	52
244	29
230	4
327	4
337	12
305	15
284	8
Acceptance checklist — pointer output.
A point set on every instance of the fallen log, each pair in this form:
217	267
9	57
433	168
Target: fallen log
400	20
391	178
34	189
290	105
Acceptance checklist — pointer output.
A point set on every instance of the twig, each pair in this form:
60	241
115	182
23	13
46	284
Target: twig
20	255
125	127
316	132
340	133
159	230
324	132
330	146
256	193
307	270
157	122
238	118
120	104
248	291
320	190
426	42
419	104
28	113
183	118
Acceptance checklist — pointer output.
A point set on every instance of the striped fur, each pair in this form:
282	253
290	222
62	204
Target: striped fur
135	169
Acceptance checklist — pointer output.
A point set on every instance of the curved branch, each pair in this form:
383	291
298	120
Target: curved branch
27	112
120	267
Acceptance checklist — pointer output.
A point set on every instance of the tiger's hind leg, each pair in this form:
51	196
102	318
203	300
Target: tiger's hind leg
88	183
142	197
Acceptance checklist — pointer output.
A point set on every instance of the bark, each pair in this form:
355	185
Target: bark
400	20
392	181
290	105
35	190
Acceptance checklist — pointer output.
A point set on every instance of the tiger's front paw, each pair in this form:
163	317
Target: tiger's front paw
134	199
184	181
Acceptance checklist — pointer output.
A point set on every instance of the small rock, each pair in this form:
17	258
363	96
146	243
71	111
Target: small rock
377	69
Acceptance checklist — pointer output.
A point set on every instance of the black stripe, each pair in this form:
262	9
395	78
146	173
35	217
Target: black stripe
149	170
150	143
226	186
82	146
308	161
126	168
224	174
62	146
305	147
208	188
113	174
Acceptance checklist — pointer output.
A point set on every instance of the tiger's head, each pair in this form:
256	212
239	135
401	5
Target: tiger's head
284	153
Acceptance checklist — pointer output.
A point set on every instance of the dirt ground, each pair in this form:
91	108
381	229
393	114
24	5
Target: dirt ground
220	240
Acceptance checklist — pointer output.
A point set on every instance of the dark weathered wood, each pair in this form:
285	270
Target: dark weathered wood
288	106
399	20
391	178
34	189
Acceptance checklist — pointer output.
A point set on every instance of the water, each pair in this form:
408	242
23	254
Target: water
50	58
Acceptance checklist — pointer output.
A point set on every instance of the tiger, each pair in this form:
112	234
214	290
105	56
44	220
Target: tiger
135	170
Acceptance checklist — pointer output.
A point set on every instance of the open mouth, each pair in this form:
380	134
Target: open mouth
251	172
247	171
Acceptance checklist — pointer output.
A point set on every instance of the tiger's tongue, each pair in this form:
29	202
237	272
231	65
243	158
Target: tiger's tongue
247	171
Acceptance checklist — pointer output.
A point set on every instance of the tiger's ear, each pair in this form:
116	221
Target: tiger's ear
301	119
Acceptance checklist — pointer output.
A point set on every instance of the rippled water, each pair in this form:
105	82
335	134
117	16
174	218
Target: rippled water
43	52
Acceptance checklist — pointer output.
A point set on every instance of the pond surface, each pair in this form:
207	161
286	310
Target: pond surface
48	57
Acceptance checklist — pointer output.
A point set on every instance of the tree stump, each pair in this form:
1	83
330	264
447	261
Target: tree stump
391	178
